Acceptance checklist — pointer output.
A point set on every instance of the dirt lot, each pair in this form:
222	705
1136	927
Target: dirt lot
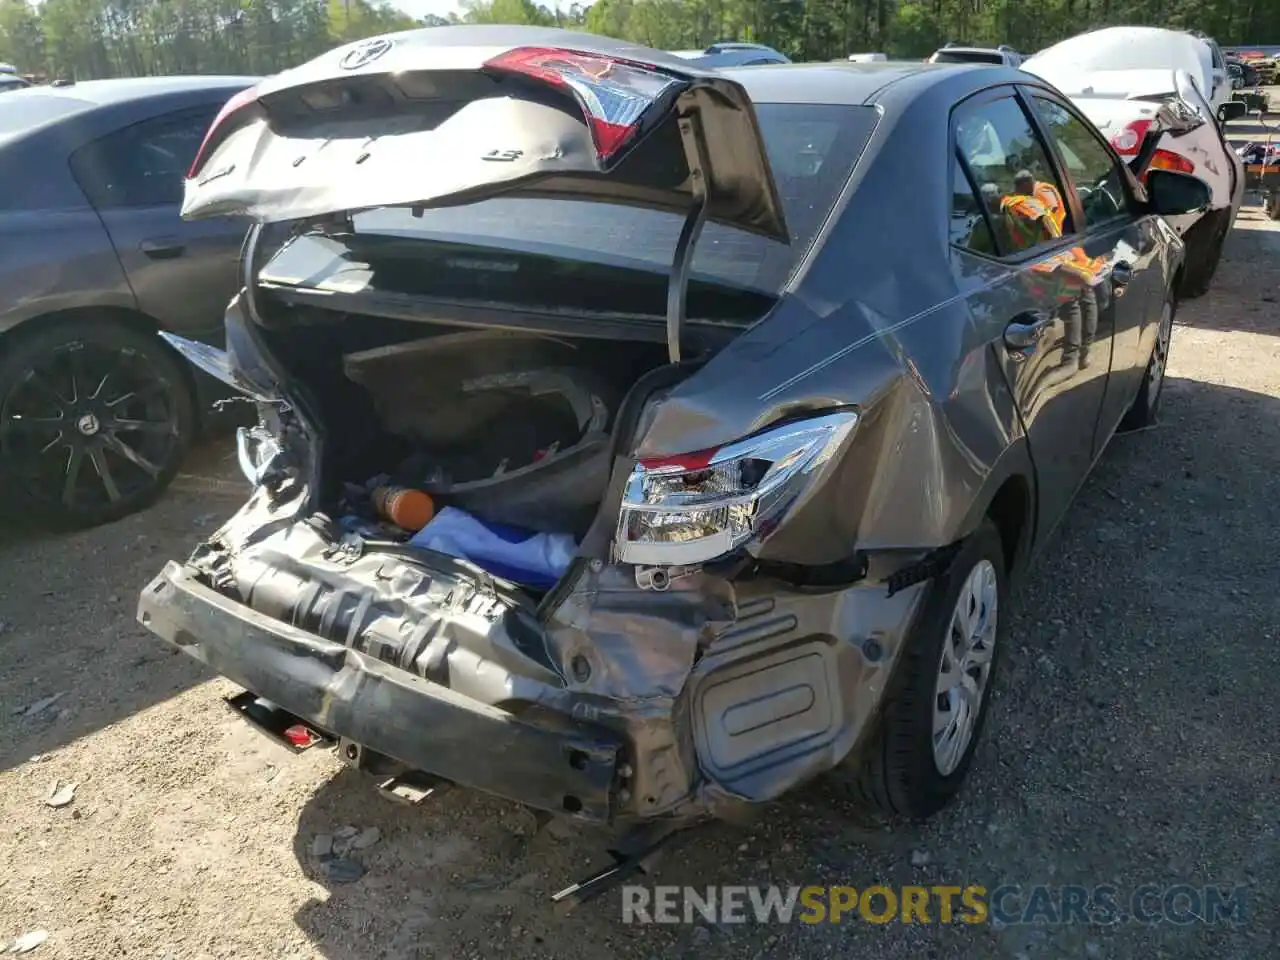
1134	741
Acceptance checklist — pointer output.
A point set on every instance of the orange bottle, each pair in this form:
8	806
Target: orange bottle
406	508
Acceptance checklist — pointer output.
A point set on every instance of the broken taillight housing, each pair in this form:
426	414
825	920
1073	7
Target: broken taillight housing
696	507
614	94
1128	142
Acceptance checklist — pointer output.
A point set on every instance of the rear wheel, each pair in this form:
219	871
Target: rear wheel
1203	257
94	421
1147	404
934	714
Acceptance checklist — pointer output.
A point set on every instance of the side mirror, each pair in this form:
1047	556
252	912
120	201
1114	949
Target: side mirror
1172	193
1232	110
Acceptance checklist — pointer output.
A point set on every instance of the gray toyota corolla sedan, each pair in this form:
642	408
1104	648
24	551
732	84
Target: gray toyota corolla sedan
743	399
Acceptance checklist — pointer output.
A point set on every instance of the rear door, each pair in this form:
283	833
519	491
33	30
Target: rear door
182	273
1056	355
1114	229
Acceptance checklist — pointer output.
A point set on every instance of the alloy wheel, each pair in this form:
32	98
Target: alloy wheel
964	667
88	425
1159	356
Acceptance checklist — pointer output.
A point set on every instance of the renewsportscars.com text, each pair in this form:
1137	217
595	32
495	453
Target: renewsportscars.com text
1008	904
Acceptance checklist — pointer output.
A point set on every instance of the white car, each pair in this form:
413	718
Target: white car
1139	48
1121	86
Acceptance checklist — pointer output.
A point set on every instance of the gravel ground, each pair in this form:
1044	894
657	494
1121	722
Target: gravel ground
1133	741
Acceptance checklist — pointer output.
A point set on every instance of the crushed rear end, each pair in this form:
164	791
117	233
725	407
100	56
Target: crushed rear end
665	674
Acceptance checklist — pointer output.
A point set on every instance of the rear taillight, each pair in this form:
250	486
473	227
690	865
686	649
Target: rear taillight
614	94
1168	160
241	99
697	507
1129	140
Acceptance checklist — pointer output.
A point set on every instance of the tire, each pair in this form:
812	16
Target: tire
1203	260
900	774
95	419
1146	406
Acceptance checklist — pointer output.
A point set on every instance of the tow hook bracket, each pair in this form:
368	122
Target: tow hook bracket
413	787
637	853
396	781
359	757
278	724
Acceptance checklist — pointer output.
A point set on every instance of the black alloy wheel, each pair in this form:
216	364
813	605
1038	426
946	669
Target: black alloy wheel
94	421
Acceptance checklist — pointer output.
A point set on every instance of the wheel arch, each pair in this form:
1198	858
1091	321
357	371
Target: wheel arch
1008	498
1010	511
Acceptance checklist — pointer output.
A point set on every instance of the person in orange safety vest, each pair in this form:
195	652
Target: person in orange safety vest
1036	213
1046	193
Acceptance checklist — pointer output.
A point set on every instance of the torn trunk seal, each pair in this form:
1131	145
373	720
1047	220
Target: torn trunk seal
695	148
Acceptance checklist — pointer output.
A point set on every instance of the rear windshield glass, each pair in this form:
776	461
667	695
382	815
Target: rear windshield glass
20	109
812	149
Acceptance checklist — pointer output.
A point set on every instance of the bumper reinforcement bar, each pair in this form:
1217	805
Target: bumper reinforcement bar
340	692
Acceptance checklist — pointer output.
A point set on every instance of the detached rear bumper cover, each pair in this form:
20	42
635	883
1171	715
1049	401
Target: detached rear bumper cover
386	709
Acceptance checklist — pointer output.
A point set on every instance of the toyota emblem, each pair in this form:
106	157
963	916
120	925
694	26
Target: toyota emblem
366	52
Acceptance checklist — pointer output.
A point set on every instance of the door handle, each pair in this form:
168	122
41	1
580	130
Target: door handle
163	248
1121	275
1024	332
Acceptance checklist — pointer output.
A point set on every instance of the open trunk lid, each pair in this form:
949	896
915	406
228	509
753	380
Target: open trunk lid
1162	101
1120	84
1177	100
450	115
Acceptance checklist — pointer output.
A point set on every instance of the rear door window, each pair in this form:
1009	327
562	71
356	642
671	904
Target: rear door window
144	164
1008	162
812	150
